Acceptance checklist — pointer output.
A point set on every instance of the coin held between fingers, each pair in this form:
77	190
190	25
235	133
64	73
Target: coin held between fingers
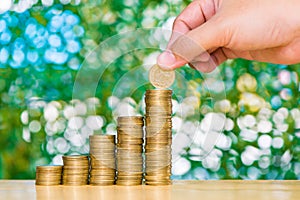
160	78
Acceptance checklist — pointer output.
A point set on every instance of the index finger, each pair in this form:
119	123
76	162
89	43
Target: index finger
195	14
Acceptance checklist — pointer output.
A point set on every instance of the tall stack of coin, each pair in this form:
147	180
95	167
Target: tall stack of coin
48	175
103	165
158	137
75	170
129	150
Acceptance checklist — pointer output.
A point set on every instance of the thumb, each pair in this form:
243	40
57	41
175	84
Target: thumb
192	47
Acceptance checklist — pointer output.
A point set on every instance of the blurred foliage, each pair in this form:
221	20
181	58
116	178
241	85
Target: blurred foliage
42	47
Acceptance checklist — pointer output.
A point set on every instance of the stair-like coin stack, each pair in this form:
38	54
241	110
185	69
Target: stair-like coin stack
129	150
75	170
158	121
103	163
48	175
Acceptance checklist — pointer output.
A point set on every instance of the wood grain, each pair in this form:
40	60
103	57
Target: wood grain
180	190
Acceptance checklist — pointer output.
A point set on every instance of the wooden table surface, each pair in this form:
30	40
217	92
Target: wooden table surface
187	190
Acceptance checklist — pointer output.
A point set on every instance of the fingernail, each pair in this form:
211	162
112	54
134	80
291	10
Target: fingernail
166	60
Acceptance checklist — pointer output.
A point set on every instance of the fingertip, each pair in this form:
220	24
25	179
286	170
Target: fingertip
166	60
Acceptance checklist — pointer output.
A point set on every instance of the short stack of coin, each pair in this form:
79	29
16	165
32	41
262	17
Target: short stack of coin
129	150
75	170
103	164
158	137
48	175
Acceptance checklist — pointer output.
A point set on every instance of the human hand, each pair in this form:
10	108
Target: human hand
208	32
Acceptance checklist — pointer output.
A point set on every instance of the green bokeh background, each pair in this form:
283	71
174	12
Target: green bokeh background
251	88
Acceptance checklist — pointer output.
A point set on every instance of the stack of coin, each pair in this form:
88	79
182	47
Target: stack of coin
129	150
75	170
48	175
158	137
103	165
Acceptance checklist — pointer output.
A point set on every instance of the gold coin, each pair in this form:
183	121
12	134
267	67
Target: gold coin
47	183
160	92
128	177
158	102
129	182
102	183
49	167
129	137
101	150
76	157
130	169
129	173
161	178
102	173
159	109
156	183
74	183
103	138
130	133
160	78
130	128
156	174
99	179
129	149
159	157
156	170
137	120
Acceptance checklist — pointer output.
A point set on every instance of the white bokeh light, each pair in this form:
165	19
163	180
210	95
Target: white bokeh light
94	122
282	127
75	123
250	155
47	2
253	173
213	160
50	113
264	126
277	143
86	132
213	122
69	111
249	121
180	167
248	135
24	117
229	124
77	140
177	123
224	142
286	158
113	101
35	126
264	141
50	146
125	109
5	5
65	1
198	137
180	142
175	106
26	134
61	145
111	129
264	162
57	160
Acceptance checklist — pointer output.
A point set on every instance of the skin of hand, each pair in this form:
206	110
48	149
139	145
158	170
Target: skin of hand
208	32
